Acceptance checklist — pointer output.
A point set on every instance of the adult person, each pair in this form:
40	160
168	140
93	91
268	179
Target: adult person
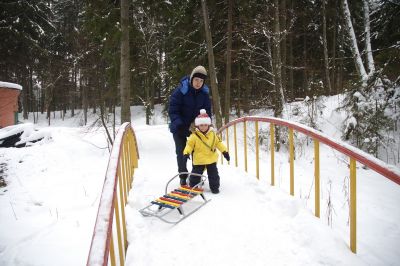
185	103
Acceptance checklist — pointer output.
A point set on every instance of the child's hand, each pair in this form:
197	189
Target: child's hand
186	156
226	155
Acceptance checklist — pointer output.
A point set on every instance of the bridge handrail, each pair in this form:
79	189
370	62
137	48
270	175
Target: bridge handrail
354	154
122	161
389	171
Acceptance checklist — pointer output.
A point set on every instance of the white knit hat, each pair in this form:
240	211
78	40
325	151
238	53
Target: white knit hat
199	72
202	118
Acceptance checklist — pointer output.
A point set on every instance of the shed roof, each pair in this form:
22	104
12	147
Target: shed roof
10	85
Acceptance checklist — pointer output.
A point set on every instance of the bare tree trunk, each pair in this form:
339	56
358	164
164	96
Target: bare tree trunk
247	85
84	102
283	19
25	95
211	66
103	114
333	72
228	64
291	62
341	37
339	79
353	44
279	95
147	100
49	99
305	63
276	57
239	90
33	96
72	94
367	39
326	56
125	80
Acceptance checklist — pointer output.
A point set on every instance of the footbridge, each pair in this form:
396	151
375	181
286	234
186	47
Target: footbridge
246	138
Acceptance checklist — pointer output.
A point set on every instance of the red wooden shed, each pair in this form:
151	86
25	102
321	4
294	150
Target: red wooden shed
9	93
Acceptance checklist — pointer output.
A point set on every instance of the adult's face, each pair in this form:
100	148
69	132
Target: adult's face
197	83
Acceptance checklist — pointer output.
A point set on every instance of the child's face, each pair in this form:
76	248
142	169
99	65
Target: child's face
203	128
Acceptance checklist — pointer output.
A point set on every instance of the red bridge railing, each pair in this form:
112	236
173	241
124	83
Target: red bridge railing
355	155
109	239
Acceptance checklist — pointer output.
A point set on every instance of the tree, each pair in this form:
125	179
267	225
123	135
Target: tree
325	43
211	66
372	100
125	79
353	44
277	65
228	63
25	28
148	54
367	39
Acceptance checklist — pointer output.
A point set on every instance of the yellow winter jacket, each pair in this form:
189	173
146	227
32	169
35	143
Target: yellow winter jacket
204	147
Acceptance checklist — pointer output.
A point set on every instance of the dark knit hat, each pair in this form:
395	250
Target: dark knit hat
199	72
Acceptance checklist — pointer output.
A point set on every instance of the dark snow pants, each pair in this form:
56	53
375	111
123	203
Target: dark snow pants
180	143
212	172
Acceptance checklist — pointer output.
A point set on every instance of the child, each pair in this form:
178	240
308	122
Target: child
202	144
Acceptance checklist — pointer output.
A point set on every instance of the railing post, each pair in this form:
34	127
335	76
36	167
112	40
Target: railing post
245	145
316	178
272	136
136	152
227	141
129	159
133	156
291	151
121	251
257	153
235	141
353	206
125	172
112	252
123	204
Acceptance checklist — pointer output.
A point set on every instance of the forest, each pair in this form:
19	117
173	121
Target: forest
97	55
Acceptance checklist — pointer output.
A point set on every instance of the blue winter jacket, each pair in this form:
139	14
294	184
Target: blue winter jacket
185	104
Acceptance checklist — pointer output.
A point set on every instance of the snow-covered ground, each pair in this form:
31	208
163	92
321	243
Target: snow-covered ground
49	205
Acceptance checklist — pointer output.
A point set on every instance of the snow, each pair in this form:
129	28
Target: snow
28	134
16	129
50	203
48	208
10	85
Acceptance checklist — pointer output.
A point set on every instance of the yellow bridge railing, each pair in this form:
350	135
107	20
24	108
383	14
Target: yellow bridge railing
109	241
354	154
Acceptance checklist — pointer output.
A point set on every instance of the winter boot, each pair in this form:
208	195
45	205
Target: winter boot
182	181
215	191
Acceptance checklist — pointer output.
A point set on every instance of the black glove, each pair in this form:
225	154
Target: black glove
186	156
182	131
226	155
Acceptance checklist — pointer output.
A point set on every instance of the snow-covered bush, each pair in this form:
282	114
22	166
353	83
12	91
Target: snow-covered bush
372	111
315	108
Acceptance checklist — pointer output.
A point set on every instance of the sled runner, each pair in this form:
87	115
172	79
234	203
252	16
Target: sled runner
175	200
